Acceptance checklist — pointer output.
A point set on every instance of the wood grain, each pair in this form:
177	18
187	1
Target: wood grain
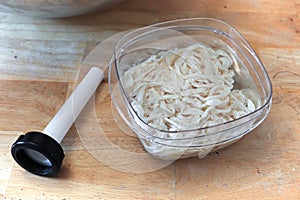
39	59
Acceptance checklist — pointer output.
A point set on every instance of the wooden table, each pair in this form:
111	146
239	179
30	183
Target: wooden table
39	59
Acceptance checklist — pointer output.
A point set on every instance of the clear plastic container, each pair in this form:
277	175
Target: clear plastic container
250	74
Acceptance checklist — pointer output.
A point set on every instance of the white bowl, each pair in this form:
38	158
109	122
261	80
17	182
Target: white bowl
54	8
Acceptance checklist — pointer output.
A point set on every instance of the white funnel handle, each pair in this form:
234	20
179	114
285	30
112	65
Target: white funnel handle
67	114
